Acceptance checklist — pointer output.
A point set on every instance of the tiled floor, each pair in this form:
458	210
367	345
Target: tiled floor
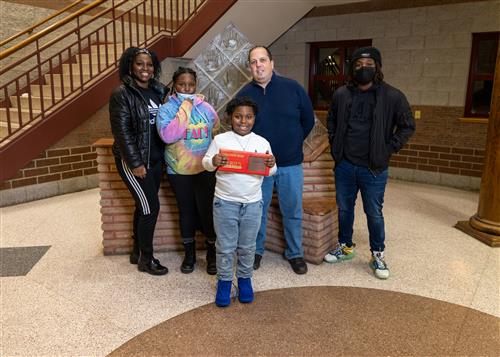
75	301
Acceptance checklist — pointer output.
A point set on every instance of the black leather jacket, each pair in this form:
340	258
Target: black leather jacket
392	126
129	117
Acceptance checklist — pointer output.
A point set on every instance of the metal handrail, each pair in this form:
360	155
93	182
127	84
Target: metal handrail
49	29
39	23
60	67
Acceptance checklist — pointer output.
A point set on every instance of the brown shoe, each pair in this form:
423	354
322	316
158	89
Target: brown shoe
299	266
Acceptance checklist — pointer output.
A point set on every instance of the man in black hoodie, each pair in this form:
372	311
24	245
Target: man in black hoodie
368	121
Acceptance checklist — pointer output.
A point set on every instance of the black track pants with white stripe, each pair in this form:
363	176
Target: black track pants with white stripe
147	205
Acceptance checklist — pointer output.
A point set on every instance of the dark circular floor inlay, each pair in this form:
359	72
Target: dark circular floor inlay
323	321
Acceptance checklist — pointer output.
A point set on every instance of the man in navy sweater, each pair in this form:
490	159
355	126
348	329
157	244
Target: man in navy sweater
285	118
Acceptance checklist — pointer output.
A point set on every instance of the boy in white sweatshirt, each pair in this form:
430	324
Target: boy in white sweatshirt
237	206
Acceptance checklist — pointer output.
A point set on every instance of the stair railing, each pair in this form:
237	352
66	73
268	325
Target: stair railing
30	29
64	64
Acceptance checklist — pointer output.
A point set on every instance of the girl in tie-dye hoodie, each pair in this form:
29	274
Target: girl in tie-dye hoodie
186	123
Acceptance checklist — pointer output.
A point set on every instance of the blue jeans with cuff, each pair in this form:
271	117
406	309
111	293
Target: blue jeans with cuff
236	225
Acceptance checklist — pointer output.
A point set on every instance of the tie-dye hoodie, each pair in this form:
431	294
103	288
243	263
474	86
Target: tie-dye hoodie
187	129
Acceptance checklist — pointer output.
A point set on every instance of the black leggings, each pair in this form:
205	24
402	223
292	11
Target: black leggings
195	195
147	205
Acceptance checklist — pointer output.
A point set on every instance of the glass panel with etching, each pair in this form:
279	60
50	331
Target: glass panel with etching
202	79
211	60
231	79
241	61
215	96
222	69
230	41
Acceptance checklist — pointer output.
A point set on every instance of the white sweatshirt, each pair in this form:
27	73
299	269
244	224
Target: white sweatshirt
237	187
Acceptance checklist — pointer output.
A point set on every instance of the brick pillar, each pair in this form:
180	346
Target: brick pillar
117	208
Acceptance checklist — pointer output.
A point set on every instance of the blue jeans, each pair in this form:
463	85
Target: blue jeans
289	181
236	225
349	179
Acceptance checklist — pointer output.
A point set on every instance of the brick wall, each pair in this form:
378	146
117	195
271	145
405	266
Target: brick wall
318	177
443	159
67	166
55	165
441	151
440	125
117	207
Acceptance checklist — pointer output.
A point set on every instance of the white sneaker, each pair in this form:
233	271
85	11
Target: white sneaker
378	265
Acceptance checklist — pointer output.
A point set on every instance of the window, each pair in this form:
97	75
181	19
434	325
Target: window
328	69
481	73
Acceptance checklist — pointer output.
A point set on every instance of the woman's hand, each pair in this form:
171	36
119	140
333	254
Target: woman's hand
139	171
270	161
219	160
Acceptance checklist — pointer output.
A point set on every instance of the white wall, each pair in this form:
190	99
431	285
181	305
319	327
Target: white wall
262	22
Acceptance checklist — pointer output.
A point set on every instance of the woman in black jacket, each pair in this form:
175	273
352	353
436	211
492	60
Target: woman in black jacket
137	148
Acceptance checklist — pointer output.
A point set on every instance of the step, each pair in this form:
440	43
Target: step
3	124
65	79
75	68
36	103
25	114
102	60
110	46
4	130
47	91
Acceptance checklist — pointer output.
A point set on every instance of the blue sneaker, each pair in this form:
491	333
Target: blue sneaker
245	294
223	296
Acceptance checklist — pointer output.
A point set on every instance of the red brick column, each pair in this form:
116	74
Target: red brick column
117	207
319	218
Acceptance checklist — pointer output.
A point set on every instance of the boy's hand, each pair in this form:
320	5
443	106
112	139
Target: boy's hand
219	160
270	161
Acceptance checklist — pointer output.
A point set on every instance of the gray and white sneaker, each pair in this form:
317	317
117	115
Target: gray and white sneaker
379	266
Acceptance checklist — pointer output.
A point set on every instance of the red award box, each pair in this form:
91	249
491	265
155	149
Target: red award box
245	162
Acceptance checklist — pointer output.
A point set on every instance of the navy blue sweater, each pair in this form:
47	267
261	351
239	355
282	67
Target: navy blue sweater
285	117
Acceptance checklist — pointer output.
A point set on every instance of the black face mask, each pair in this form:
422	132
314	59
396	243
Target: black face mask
364	75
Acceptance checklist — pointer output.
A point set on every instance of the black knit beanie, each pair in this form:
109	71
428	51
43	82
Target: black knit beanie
367	52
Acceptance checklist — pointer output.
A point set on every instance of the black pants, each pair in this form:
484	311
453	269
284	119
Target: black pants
147	204
195	195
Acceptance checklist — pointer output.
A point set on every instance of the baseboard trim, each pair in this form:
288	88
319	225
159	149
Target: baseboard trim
436	178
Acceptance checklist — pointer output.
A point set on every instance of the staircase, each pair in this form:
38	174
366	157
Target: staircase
56	87
69	77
